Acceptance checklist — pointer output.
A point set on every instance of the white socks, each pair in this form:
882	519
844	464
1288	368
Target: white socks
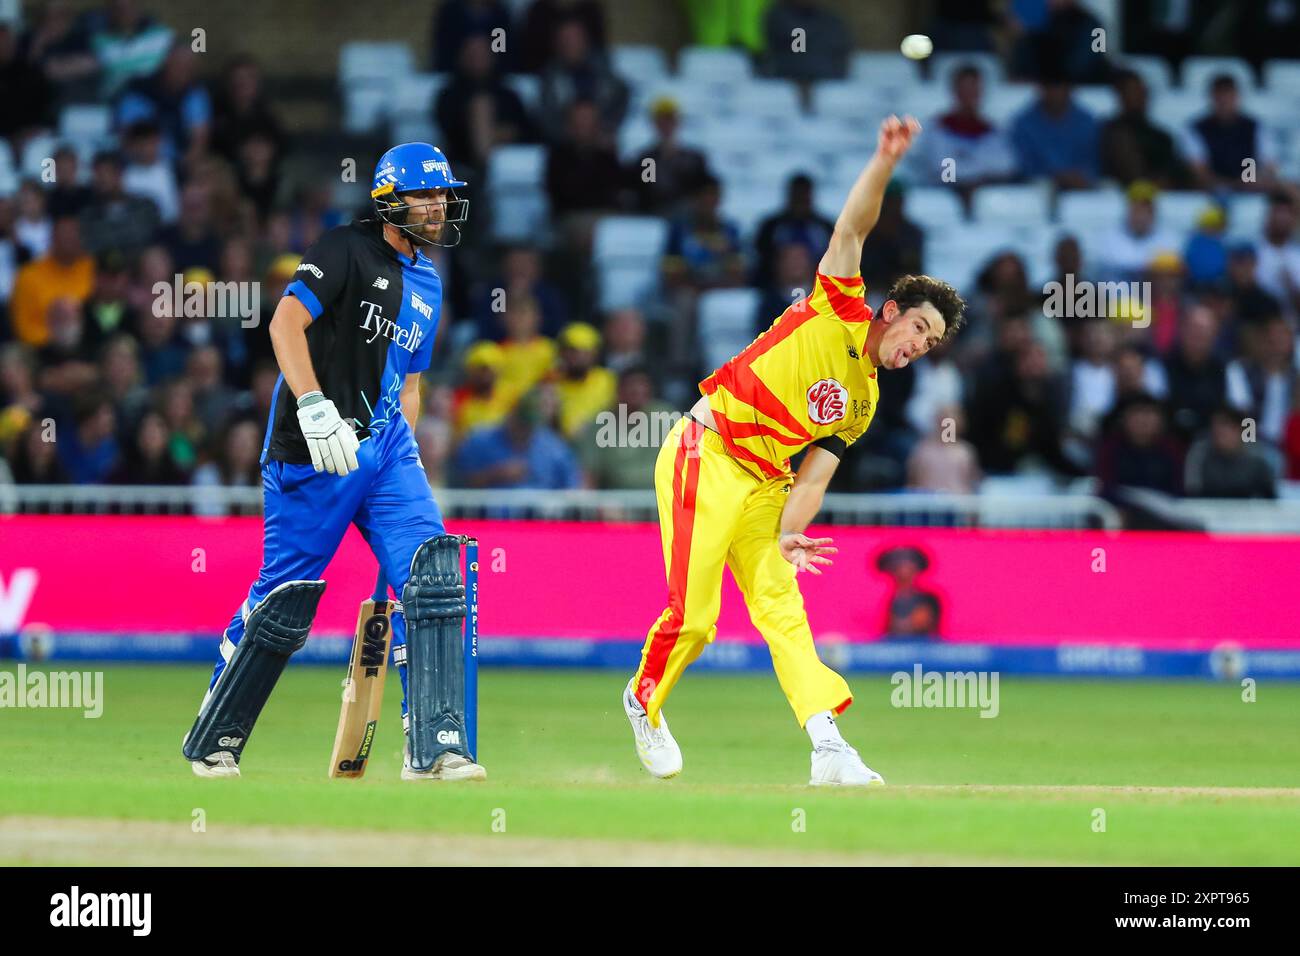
821	728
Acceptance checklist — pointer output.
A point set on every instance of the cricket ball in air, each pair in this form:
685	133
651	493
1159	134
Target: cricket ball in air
916	46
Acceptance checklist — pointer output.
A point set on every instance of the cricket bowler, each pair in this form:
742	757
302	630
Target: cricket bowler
352	333
727	495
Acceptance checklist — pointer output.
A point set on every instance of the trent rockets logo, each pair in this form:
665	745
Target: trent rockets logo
827	399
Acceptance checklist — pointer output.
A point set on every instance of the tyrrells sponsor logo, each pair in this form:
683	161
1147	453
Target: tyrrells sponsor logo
377	324
827	399
308	267
134	910
419	305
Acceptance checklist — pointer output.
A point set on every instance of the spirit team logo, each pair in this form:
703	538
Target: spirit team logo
827	400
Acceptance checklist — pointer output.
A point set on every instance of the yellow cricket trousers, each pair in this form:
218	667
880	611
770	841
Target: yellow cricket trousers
714	512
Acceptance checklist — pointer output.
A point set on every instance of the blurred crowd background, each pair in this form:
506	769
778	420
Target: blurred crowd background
639	211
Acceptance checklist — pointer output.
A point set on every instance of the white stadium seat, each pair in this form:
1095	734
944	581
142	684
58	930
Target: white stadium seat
1198	71
850	101
1282	76
416	94
1174	110
1178	210
367	62
933	207
626	251
726	323
713	65
515	181
639	64
1246	215
1101	101
528	88
41	147
1087	211
1010	204
364	107
764	99
85	121
1004	103
890	70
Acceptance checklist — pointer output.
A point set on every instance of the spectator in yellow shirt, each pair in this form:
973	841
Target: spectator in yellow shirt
528	356
585	389
480	400
66	272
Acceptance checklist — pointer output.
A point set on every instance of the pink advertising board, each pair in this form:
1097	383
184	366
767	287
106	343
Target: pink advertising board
597	582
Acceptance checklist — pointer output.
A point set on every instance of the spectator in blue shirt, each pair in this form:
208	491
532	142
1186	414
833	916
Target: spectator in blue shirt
520	453
89	451
176	101
1057	139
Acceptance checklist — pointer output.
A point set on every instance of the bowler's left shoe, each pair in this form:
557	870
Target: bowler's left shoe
838	765
447	767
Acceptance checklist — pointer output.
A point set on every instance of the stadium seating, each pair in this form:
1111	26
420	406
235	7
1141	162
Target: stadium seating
1157	72
626	252
639	65
932	207
726	323
515	177
713	65
1012	203
1198	71
374	63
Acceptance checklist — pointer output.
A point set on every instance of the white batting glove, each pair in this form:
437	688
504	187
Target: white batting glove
332	442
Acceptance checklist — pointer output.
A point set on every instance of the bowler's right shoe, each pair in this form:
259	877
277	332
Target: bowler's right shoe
449	766
838	765
655	746
220	764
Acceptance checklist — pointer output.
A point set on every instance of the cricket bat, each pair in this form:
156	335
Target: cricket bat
363	689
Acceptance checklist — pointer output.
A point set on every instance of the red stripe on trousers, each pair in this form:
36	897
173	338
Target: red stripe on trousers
665	636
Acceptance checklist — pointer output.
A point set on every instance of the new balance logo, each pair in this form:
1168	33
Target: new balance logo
381	283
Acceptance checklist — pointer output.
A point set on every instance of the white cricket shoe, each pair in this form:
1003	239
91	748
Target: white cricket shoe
447	767
220	764
655	746
838	765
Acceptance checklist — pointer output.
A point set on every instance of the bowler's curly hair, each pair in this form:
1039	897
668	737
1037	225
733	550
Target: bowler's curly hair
911	291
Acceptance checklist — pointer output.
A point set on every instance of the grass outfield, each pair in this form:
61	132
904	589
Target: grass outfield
1185	773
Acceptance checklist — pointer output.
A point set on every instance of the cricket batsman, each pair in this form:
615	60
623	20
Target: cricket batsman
352	333
727	495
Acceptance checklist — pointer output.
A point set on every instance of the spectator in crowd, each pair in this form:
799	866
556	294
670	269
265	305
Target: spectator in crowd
66	360
1227	148
480	401
1250	301
579	72
176	101
459	21
241	110
435	434
193	241
1278	263
704	250
1092	378
583	387
35	458
1064	42
1133	147
115	219
163	351
235	462
27	100
796	223
1056	139
789	281
33	225
668	172
147	459
583	174
521	273
1291	439
964	142
65	272
67	195
128	44
943	462
88	450
536	44
20	401
1206	252
477	111
59	48
519	453
938	384
619	447
893	248
1138	453
527	356
1224	465
824	54
147	174
1262	378
968	25
213	398
1195	375
122	379
1130	249
1138	374
186	435
625	340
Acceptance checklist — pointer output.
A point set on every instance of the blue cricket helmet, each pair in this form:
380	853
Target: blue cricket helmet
411	167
